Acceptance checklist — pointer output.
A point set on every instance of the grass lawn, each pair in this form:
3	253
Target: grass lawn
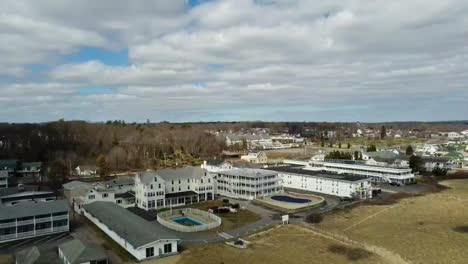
229	221
425	229
289	244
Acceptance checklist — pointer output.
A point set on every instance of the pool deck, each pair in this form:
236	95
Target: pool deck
177	213
289	207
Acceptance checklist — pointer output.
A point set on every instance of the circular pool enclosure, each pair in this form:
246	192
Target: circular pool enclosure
289	199
188	220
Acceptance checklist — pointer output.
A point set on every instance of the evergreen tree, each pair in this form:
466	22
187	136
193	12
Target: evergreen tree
58	174
383	132
339	145
372	148
356	155
349	145
409	150
416	163
103	165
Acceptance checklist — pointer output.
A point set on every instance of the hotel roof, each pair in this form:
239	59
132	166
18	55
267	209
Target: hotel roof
251	173
134	229
31	208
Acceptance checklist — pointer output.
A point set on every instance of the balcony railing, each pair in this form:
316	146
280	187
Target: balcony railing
8	224
26	222
7	237
60	217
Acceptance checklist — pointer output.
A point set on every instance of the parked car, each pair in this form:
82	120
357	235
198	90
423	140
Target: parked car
395	184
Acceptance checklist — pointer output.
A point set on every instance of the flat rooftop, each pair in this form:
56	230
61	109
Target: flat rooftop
321	174
250	173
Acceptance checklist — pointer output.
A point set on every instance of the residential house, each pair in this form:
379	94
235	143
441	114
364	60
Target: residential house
216	165
86	170
255	157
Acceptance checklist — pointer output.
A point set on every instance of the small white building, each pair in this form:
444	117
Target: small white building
255	157
342	185
247	183
86	170
216	165
142	239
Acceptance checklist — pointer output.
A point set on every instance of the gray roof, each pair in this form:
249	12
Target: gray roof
27	256
120	180
76	184
386	156
246	172
182	173
173	174
31	208
137	231
76	251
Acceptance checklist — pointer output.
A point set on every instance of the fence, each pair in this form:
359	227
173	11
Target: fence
162	219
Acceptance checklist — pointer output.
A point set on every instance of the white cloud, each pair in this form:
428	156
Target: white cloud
244	54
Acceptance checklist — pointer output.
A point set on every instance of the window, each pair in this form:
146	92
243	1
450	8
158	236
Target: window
91	197
159	186
119	201
150	252
151	186
105	195
167	248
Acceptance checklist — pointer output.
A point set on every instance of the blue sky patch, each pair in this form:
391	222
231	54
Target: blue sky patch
114	58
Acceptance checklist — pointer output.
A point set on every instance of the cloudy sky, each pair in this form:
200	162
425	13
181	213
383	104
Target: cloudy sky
194	60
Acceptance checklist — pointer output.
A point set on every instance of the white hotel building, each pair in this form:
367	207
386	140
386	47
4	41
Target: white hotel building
375	173
173	187
341	185
247	183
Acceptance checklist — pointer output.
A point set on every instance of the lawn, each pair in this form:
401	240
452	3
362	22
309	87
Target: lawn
290	244
424	229
229	220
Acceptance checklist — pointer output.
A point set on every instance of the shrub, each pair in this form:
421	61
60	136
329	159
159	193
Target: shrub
352	254
314	218
235	206
225	201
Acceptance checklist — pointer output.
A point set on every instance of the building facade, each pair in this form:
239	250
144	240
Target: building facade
375	173
32	219
247	183
173	187
341	185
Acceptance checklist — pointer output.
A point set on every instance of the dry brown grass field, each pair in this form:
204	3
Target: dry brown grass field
426	229
290	244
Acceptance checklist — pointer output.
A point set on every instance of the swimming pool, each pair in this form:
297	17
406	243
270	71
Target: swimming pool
186	221
289	199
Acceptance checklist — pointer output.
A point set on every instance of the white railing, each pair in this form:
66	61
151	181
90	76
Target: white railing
60	217
61	228
8	224
26	234
7	237
43	219
26	222
189	211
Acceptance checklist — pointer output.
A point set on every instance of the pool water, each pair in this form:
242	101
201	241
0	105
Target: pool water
186	221
289	199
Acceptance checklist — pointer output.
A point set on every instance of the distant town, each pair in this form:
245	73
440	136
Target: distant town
78	192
